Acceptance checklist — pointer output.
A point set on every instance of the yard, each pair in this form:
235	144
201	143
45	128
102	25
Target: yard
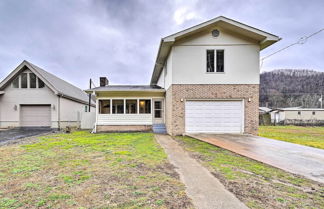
309	136
256	184
83	170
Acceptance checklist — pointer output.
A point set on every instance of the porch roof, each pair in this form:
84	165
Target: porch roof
125	88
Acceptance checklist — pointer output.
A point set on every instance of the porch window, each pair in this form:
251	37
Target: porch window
23	81
32	80
145	106
131	106
15	83
118	106
104	106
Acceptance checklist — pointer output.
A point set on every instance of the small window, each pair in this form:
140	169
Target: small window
23	81
104	106
313	113
210	61
32	80
220	61
86	108
118	106
299	113
145	106
131	106
15	83
41	84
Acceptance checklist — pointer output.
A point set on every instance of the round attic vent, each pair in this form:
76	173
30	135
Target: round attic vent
215	33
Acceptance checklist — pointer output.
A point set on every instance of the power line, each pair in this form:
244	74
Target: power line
300	41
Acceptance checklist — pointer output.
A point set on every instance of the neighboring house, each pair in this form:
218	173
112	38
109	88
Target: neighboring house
205	80
32	97
264	110
298	116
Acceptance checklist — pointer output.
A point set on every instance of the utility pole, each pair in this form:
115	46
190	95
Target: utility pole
90	82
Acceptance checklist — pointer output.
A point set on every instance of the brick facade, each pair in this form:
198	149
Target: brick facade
175	116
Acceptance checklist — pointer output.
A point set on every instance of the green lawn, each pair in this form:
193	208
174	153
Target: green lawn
83	170
256	184
309	136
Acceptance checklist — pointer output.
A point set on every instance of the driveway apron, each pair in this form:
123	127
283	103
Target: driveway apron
201	186
294	158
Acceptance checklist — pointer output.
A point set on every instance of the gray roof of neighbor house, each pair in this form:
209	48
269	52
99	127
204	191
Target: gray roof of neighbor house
59	86
264	38
127	88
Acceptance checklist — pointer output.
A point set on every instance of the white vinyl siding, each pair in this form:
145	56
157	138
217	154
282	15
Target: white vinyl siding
124	119
214	116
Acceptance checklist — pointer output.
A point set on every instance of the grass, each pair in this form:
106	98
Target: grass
256	184
83	170
309	136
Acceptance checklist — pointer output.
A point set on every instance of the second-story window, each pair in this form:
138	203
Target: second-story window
215	61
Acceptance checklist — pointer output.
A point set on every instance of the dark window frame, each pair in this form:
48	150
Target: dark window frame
215	66
117	109
101	103
127	106
24	85
147	107
30	81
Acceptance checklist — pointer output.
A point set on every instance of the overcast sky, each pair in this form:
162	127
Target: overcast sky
82	39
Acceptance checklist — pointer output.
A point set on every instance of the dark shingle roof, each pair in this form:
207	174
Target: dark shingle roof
128	88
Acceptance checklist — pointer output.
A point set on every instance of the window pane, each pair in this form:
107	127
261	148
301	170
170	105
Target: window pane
23	80
104	106
41	84
145	106
15	83
118	106
220	60
157	113
210	60
131	106
157	105
32	80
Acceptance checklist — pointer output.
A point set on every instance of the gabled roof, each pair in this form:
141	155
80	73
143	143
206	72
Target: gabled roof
57	85
264	38
154	88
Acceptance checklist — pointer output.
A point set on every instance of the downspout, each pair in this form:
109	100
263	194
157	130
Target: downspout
59	112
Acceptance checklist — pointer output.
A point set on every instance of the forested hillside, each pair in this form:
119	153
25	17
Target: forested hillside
291	88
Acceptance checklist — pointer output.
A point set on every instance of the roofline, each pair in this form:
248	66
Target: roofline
77	100
30	67
124	90
268	40
18	68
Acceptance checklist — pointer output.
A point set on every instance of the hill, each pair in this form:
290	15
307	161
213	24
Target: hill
291	88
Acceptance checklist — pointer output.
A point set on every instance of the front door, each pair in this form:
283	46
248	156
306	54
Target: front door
158	112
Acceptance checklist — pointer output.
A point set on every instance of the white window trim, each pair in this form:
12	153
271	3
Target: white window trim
215	61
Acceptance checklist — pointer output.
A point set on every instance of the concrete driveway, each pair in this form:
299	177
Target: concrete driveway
18	133
294	158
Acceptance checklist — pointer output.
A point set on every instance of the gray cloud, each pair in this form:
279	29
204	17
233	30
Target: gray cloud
83	39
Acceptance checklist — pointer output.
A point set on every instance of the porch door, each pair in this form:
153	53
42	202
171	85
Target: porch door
158	111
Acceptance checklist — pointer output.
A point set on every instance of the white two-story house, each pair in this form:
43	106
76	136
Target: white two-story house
205	80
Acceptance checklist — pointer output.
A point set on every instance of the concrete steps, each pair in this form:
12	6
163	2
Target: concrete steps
159	128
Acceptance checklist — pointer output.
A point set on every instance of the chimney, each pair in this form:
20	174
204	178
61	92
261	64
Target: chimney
103	81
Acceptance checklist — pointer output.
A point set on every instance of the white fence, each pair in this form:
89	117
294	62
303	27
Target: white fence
87	120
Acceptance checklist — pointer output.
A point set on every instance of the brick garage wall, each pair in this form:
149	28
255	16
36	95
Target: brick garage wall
168	110
175	121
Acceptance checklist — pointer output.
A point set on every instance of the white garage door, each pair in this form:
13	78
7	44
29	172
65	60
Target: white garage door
214	116
35	115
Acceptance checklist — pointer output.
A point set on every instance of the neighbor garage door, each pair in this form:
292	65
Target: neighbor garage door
214	116
35	115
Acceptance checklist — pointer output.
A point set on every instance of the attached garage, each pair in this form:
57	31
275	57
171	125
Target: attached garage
35	115
214	116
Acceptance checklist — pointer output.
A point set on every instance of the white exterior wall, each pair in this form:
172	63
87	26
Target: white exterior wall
187	60
17	96
70	112
165	79
305	115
